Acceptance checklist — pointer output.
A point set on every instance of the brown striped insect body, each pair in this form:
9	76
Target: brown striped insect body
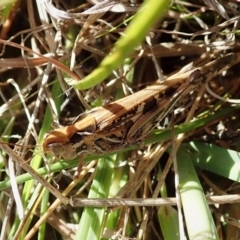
129	120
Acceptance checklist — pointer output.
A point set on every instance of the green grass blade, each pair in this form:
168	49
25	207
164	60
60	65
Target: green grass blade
168	216
221	161
150	12
198	217
92	220
37	159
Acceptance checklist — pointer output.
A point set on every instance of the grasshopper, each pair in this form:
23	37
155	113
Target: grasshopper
128	121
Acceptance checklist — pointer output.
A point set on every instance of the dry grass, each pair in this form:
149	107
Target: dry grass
33	94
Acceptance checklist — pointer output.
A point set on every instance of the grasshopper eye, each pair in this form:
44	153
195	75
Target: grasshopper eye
57	142
64	151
